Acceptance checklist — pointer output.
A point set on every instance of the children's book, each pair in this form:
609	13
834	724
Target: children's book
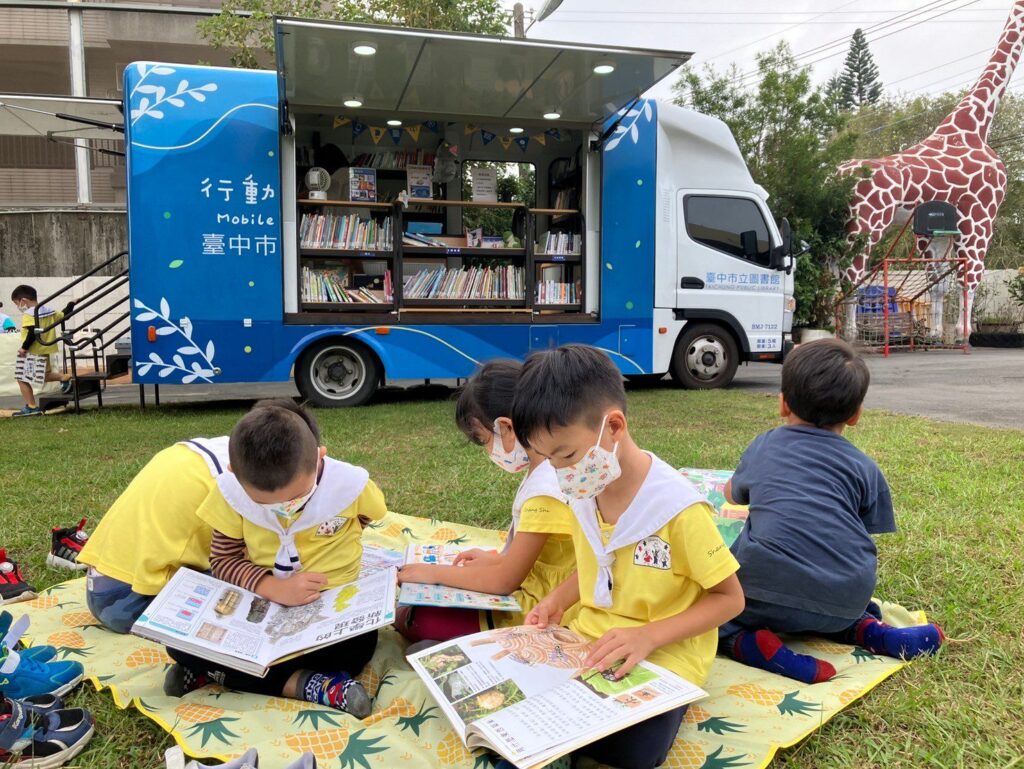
522	692
362	184
419	181
416	594
204	616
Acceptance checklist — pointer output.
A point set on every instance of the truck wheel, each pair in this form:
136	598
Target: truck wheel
337	372
705	357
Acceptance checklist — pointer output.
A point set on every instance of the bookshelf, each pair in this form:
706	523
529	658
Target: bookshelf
557	261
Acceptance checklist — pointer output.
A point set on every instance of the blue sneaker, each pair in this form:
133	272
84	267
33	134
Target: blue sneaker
28	411
39	653
22	676
42	740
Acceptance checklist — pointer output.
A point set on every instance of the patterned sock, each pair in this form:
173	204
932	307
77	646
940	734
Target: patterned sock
338	690
900	642
764	650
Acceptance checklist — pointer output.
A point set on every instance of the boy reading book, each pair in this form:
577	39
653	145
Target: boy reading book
654	578
287	522
808	561
538	553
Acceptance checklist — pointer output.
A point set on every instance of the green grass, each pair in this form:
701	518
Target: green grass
958	491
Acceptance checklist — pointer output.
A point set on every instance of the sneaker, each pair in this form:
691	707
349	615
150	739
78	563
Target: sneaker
67	386
28	411
65	547
13	587
42	740
23	676
180	680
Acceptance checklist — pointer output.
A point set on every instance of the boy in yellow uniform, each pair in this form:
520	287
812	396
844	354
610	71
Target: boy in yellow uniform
654	578
151	531
38	344
287	523
538	554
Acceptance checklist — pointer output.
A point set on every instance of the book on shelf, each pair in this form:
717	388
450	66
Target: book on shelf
485	184
416	594
553	292
562	244
500	282
398	159
336	286
351	231
419	239
522	692
567	198
474	237
362	184
419	181
201	615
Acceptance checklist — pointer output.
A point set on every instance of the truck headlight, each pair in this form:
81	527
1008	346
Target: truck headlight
790	304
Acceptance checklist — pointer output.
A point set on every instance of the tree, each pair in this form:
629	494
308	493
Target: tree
859	79
250	38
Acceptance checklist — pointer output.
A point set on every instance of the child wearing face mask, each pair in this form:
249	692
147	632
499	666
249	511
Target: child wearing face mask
654	579
287	523
34	367
538	553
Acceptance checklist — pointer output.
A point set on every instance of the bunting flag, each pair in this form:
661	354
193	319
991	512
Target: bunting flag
541	139
487	136
414	132
432	125
357	129
470	128
523	142
340	121
506	141
554	133
396	134
376	133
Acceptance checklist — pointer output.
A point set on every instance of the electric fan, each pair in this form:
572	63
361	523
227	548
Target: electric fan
317	182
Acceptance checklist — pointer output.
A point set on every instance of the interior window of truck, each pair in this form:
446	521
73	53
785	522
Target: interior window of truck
719	222
513	183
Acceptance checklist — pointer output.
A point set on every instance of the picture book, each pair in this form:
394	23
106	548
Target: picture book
523	693
362	185
419	181
204	616
415	594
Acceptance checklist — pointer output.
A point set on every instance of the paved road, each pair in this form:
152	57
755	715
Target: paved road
985	387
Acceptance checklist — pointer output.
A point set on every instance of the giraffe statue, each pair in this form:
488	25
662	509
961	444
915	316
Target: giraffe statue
954	165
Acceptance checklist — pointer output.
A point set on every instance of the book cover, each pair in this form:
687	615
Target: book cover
419	181
362	185
415	594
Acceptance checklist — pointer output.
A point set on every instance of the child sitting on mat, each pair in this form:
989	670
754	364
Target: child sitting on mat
807	560
287	523
655	579
538	553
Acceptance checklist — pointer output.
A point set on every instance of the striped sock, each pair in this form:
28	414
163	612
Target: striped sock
900	642
764	650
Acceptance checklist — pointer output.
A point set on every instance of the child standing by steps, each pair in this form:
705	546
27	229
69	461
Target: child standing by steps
538	553
287	522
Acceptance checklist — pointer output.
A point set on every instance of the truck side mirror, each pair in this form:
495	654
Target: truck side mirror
748	242
787	237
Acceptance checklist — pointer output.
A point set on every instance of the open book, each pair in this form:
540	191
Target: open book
416	594
522	693
204	616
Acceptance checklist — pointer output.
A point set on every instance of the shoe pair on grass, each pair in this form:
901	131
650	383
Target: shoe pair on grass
40	733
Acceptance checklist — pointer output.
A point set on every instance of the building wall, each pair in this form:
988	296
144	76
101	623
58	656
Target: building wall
59	243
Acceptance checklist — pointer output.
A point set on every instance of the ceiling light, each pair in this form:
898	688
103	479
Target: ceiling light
394	122
353	103
604	67
516	130
364	49
552	115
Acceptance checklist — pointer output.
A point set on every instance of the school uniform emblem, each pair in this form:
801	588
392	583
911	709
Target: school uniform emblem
330	527
654	552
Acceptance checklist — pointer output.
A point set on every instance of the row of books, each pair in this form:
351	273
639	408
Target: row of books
330	230
332	286
569	197
506	282
552	292
397	159
562	243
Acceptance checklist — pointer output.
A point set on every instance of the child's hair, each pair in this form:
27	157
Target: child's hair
486	396
559	387
23	292
824	382
273	443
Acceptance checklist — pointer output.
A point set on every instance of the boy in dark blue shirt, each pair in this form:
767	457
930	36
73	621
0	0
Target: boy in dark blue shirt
807	560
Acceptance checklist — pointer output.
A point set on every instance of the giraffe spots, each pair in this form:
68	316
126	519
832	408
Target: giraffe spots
954	177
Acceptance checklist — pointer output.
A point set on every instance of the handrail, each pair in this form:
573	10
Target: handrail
85	341
109	287
75	282
101	313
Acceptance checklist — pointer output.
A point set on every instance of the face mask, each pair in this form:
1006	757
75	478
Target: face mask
289	511
513	461
589	477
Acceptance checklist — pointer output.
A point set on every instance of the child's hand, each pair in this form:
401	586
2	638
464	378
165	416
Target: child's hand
296	590
545	613
629	644
22	352
422	573
477	557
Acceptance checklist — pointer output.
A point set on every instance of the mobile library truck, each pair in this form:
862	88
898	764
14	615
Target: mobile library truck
397	204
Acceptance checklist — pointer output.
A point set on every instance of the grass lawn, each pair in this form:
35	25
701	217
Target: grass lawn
958	492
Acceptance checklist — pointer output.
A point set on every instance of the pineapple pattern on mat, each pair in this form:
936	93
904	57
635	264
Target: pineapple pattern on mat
747	715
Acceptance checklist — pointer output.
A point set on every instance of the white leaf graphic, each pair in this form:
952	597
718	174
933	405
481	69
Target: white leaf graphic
179	361
144	368
138	304
197	96
141	68
208	87
175	102
160	92
155	113
647	111
136	114
165	371
148	89
143	104
166	330
634	134
145	316
209	350
620	129
205	372
156	358
188	350
163	70
165	308
189	379
182	86
613	143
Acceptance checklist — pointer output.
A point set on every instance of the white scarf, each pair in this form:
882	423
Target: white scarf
214	452
539	482
339	486
662	496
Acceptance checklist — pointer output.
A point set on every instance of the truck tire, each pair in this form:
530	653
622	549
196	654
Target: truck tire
705	357
337	372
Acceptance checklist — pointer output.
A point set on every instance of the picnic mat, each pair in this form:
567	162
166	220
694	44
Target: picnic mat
747	718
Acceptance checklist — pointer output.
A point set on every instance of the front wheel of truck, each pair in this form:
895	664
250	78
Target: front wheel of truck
337	372
706	357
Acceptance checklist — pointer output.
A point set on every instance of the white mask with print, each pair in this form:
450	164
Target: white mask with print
513	461
589	477
288	511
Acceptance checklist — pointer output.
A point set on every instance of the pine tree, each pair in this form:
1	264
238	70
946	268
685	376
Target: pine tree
832	93
859	79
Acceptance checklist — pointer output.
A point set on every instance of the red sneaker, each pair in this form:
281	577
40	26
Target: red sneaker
66	545
13	587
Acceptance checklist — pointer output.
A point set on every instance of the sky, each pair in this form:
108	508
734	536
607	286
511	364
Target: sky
920	46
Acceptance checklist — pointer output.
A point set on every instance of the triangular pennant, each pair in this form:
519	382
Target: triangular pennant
454	149
487	136
470	128
414	132
357	129
432	125
554	133
523	142
506	141
339	121
396	134
541	139
376	133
